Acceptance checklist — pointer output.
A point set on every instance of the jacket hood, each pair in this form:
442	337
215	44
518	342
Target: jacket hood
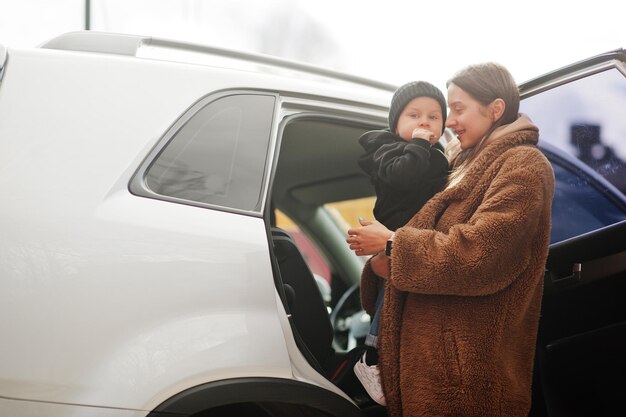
523	122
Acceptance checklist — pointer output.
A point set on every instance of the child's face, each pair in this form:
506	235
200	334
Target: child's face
420	113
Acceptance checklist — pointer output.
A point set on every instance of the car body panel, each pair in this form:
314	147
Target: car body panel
90	237
130	299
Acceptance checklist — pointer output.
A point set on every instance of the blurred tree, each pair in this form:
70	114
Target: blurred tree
292	33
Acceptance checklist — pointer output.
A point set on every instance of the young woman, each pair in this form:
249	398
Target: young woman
464	277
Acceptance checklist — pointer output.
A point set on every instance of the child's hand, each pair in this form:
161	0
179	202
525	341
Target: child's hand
425	134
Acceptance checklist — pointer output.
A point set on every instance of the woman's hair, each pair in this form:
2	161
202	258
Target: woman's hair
485	83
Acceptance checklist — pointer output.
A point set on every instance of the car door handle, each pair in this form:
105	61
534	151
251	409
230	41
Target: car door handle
575	277
595	269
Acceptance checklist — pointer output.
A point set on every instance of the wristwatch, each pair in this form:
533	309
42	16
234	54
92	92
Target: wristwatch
388	247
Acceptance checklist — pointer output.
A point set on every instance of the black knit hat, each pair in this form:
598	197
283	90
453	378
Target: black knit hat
408	92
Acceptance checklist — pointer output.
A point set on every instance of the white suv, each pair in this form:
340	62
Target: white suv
142	272
137	274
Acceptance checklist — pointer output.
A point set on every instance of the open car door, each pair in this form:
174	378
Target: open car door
582	337
581	348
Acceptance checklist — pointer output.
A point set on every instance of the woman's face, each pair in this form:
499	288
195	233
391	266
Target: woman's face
469	119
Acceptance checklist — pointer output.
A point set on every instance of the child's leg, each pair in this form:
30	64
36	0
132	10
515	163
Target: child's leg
371	340
366	369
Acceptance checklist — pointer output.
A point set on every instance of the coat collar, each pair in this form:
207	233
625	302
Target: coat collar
520	132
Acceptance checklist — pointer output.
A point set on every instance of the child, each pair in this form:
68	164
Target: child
407	166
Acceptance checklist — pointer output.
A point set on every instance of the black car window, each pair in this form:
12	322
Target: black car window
579	206
218	155
583	133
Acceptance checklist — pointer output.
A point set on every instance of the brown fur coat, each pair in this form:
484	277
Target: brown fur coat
462	303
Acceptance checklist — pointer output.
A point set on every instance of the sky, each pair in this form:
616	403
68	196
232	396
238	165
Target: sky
395	41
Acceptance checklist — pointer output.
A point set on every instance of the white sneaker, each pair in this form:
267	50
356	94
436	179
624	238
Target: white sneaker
369	376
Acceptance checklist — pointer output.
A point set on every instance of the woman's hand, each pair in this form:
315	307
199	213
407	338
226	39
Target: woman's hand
380	265
369	239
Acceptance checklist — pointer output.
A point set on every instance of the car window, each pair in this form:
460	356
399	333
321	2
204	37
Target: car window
583	133
578	206
218	155
585	119
346	213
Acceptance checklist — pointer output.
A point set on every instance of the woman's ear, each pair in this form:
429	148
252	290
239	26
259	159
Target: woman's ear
497	109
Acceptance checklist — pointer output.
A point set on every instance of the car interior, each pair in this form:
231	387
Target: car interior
317	165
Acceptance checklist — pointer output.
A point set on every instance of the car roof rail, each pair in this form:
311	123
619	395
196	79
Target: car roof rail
178	51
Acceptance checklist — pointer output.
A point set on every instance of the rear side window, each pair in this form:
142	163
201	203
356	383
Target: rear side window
217	156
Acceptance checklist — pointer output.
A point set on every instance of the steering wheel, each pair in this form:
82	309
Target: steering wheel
350	322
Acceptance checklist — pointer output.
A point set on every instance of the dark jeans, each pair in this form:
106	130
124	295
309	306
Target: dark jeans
372	337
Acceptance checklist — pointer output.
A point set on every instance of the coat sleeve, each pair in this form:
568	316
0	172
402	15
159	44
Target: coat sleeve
402	165
371	142
488	252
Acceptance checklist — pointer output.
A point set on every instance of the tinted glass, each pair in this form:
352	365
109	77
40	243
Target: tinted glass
584	120
578	206
218	156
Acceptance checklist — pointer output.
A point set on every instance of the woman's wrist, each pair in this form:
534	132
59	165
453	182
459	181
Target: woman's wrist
383	243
